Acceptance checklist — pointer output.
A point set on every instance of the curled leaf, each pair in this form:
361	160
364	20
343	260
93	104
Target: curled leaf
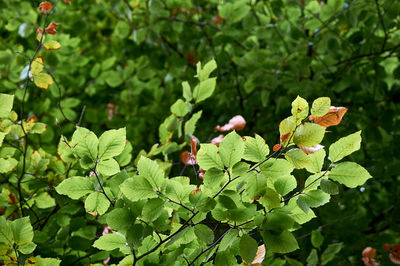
259	258
310	150
51	29
236	123
277	147
188	158
217	140
193	146
368	257
201	173
44	7
332	118
52	45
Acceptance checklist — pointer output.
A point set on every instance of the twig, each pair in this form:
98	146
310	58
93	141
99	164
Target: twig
101	186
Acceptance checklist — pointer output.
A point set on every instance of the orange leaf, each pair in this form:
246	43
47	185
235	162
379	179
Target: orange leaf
277	147
285	137
51	29
193	148
216	141
332	118
236	123
45	6
188	158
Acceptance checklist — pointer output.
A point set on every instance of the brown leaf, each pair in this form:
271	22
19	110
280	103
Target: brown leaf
193	146
259	258
45	6
217	140
188	158
276	147
236	123
51	29
310	150
332	118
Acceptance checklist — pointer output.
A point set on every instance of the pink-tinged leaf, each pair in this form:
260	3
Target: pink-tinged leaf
216	141
193	146
188	158
51	29
310	150
44	7
332	118
236	123
201	173
259	258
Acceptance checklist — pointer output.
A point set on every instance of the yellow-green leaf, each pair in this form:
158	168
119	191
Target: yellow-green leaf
37	66
52	45
43	80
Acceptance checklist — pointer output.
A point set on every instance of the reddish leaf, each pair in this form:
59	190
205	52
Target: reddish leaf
45	6
188	158
332	118
93	213
191	59
393	258
201	173
217	19
387	247
285	137
310	150
193	146
67	1
111	111
236	123
216	141
195	190
51	29
368	256
277	147
106	230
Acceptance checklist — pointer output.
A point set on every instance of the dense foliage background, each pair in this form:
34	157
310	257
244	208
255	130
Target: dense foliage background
124	62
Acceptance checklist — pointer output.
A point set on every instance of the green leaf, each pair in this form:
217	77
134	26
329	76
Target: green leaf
7	165
190	125
317	238
44	201
2	135
108	167
208	157
119	219
284	242
112	143
278	221
204	233
152	209
204	90
27	248
298	158
312	258
270	199
301	202
255	149
349	174
329	187
6	104
285	184
320	106
247	248
187	92
231	149
6	235
97	202
309	134
113	79
293	262
179	108
229	239
110	242
330	252
316	198
22	231
317	161
227	202
151	171
299	109
75	187
276	168
138	188
204	73
345	146
84	142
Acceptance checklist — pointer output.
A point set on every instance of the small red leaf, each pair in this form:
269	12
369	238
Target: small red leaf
285	137
193	146
44	7
188	158
216	141
236	123
67	1
217	19
201	173
51	29
277	147
387	247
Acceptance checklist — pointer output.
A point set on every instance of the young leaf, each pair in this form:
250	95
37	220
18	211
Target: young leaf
187	92
51	45
6	104
43	80
204	90
108	167
75	187
190	125
179	108
112	143
208	157
255	149
320	106
345	146
84	142
349	174
299	109
204	73
312	258
309	134
137	188
97	202
151	171
231	149
248	248
330	252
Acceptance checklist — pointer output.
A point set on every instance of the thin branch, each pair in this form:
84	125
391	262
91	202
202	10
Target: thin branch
101	186
378	9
